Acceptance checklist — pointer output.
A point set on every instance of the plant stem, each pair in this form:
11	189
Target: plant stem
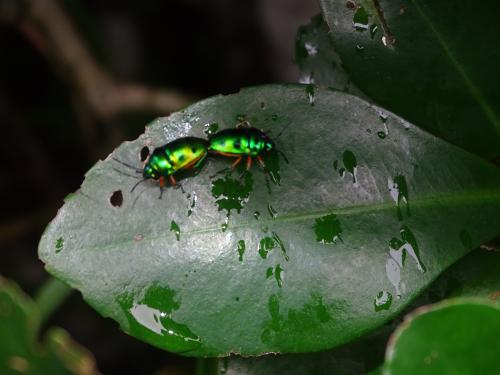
50	296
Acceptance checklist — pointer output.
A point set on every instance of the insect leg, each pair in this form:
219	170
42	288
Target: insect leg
172	180
261	161
236	162
162	186
249	162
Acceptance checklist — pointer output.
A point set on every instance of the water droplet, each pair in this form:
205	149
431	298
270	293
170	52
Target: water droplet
176	229
274	117
272	211
382	301
256	215
399	248
398	189
381	135
59	244
310	93
278	274
384	41
360	19
269	243
272	167
211	129
281	245
359	48
241	249
138	237
225	224
313	312
269	272
232	194
191	203
151	317
373	30
265	246
350	165
327	229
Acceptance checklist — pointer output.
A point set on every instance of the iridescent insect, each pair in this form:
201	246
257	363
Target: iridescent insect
186	153
242	141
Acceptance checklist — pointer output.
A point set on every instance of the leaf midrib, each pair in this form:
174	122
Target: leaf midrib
474	91
466	196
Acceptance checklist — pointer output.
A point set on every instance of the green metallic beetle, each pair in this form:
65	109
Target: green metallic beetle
165	161
241	141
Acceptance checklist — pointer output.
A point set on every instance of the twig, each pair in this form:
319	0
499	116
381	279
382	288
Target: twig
50	31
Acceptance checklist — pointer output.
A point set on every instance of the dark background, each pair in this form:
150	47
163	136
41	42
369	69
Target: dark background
198	47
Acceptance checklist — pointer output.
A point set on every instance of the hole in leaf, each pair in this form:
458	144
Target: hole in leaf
116	199
144	153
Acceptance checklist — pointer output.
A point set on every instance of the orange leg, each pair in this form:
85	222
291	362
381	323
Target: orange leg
172	180
236	162
162	185
249	162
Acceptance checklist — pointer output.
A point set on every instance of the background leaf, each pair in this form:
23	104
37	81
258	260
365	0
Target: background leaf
19	350
317	60
421	60
455	336
359	224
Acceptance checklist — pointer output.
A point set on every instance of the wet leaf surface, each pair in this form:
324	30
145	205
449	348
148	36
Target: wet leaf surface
474	275
434	63
20	353
458	336
402	208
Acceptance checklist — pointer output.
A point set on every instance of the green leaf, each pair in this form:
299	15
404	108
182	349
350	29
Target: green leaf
19	350
476	274
317	60
399	205
459	336
434	63
357	357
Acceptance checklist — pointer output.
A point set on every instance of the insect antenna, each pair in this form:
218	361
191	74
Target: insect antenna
137	184
284	156
136	198
126	174
127	165
282	130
